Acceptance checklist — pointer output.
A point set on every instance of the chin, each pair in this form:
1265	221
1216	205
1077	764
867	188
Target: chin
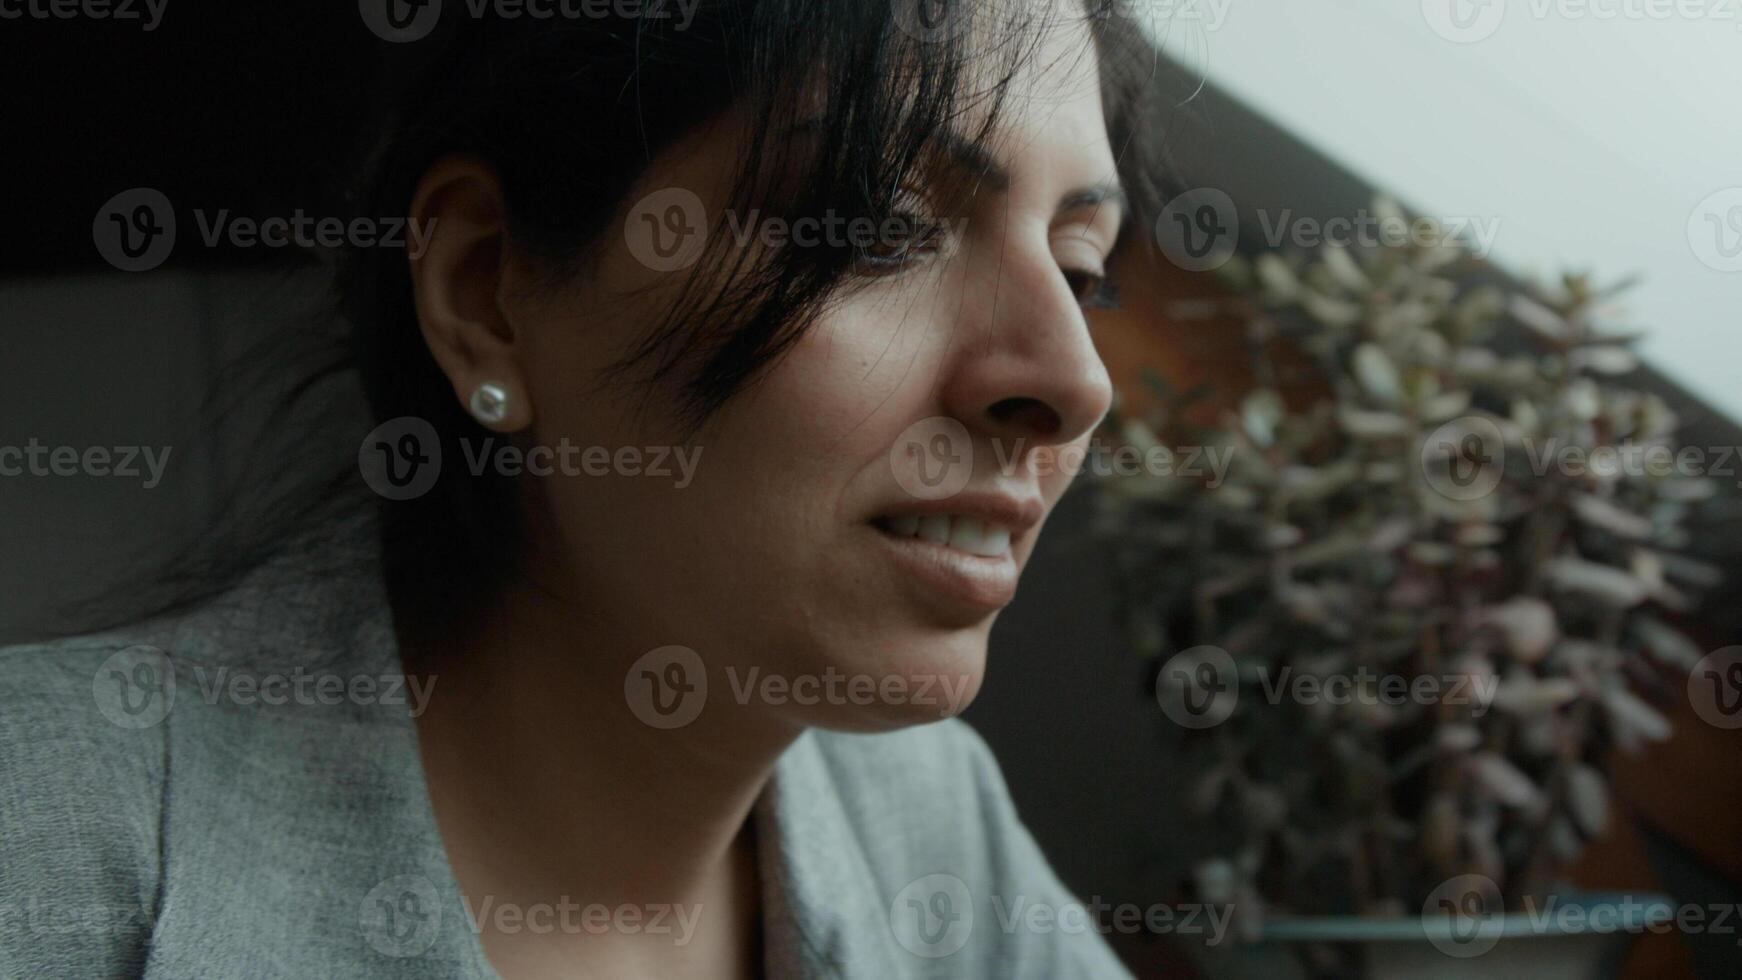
928	680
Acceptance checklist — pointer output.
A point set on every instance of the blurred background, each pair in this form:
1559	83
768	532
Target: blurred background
1591	136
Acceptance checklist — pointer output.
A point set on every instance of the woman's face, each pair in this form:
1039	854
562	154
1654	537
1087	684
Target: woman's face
849	525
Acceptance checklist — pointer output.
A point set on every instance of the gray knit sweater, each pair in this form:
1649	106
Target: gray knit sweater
151	828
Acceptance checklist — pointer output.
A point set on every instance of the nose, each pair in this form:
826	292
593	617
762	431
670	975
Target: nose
1024	366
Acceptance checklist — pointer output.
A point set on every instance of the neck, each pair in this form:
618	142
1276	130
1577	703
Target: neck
546	782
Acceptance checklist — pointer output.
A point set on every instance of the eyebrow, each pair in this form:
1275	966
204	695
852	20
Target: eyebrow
1095	196
972	157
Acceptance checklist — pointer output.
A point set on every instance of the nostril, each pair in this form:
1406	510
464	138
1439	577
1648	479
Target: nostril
1027	416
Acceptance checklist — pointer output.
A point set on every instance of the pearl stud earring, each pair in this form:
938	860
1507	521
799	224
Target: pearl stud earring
490	403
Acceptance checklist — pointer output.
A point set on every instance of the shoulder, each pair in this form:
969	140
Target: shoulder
82	720
932	815
82	757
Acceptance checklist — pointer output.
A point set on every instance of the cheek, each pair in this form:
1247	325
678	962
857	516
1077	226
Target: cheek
846	389
1056	475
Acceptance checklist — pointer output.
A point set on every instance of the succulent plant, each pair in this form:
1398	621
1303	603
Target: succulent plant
1427	483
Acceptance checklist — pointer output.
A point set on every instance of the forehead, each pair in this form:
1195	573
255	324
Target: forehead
1050	119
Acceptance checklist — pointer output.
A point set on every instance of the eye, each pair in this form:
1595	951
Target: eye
899	241
1094	291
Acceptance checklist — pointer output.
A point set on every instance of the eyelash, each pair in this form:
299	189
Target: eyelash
1094	290
929	242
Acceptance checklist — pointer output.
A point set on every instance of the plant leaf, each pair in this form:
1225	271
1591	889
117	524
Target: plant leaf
1505	781
1588	798
1611	585
1637	717
1377	374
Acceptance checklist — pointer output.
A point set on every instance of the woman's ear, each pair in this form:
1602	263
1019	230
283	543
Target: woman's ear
456	280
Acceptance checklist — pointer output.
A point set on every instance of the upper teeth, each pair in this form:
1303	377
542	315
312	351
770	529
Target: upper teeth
976	537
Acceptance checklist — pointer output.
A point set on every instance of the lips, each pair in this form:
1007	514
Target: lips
961	551
957	531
